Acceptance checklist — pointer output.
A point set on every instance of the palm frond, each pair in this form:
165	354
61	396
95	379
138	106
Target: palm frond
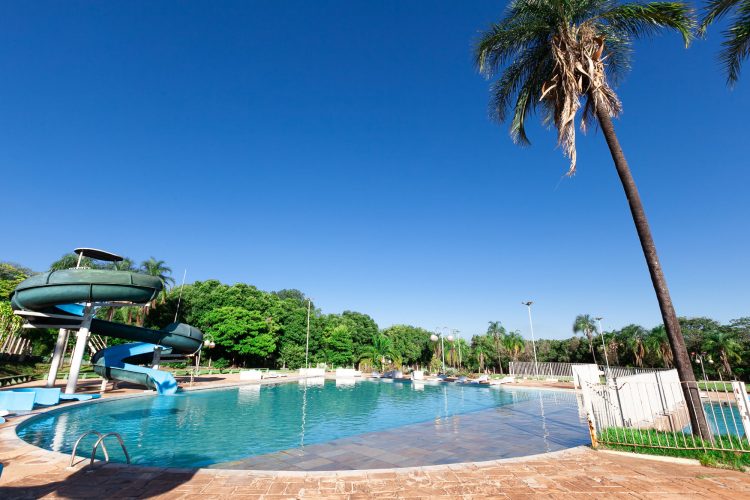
522	79
736	47
504	42
713	11
644	20
553	53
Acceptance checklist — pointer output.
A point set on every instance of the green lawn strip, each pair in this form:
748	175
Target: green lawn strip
669	444
715	386
15	368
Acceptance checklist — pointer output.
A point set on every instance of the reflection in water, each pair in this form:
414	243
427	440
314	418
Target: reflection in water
417	385
60	428
312	381
248	394
345	382
304	413
445	399
545	432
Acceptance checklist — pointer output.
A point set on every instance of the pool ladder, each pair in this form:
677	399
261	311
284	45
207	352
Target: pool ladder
99	441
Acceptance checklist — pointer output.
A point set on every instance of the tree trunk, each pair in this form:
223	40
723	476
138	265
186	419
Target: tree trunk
497	352
591	346
676	341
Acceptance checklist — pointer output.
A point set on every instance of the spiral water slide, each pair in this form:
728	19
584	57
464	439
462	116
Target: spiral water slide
69	298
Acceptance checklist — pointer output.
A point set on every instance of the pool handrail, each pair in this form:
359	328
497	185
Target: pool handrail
78	441
100	441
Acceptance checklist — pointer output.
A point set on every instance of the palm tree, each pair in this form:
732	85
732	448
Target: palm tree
380	351
552	53
514	344
69	261
725	345
613	345
584	323
497	332
479	353
658	342
634	339
126	264
159	269
736	38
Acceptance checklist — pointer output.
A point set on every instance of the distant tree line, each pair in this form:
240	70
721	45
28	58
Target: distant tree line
252	327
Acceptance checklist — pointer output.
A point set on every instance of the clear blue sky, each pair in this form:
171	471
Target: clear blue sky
343	148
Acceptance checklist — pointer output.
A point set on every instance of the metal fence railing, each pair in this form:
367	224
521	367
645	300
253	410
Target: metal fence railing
551	370
565	370
653	410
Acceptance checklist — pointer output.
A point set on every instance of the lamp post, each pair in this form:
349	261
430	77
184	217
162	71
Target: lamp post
434	337
307	339
533	340
604	345
700	359
457	336
208	343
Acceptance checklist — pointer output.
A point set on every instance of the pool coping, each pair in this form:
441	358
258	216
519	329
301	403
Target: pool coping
11	443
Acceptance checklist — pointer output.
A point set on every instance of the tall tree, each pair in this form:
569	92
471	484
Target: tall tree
497	332
69	261
514	344
635	340
584	323
10	276
723	344
552	53
657	342
736	44
159	269
479	354
380	352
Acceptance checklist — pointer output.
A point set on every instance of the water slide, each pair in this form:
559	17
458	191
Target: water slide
55	299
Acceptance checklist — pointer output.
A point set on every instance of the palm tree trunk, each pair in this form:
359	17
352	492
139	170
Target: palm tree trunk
591	345
676	341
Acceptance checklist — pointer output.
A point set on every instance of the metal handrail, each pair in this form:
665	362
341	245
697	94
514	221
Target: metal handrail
75	446
122	445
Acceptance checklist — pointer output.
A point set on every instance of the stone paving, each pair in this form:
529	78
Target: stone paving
30	472
575	473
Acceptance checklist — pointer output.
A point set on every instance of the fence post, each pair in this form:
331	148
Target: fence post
588	405
740	394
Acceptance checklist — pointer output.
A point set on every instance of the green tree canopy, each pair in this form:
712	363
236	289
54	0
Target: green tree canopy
339	347
11	275
239	331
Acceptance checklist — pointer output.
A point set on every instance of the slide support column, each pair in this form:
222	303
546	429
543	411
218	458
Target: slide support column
80	349
57	357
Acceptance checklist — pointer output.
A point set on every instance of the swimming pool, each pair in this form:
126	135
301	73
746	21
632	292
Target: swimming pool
231	426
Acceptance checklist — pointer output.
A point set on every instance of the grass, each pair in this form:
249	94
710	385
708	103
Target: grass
12	369
644	441
715	386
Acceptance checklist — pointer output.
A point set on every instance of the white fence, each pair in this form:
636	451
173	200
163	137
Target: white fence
652	410
549	370
565	370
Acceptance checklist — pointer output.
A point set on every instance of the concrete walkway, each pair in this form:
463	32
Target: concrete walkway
579	472
31	472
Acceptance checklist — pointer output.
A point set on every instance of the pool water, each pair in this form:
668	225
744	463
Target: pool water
200	428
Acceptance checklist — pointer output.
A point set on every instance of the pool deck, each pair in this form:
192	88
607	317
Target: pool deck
31	472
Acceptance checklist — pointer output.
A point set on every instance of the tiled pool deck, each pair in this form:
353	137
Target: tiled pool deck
31	472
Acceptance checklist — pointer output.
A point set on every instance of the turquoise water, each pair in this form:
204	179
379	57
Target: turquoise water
724	419
200	428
